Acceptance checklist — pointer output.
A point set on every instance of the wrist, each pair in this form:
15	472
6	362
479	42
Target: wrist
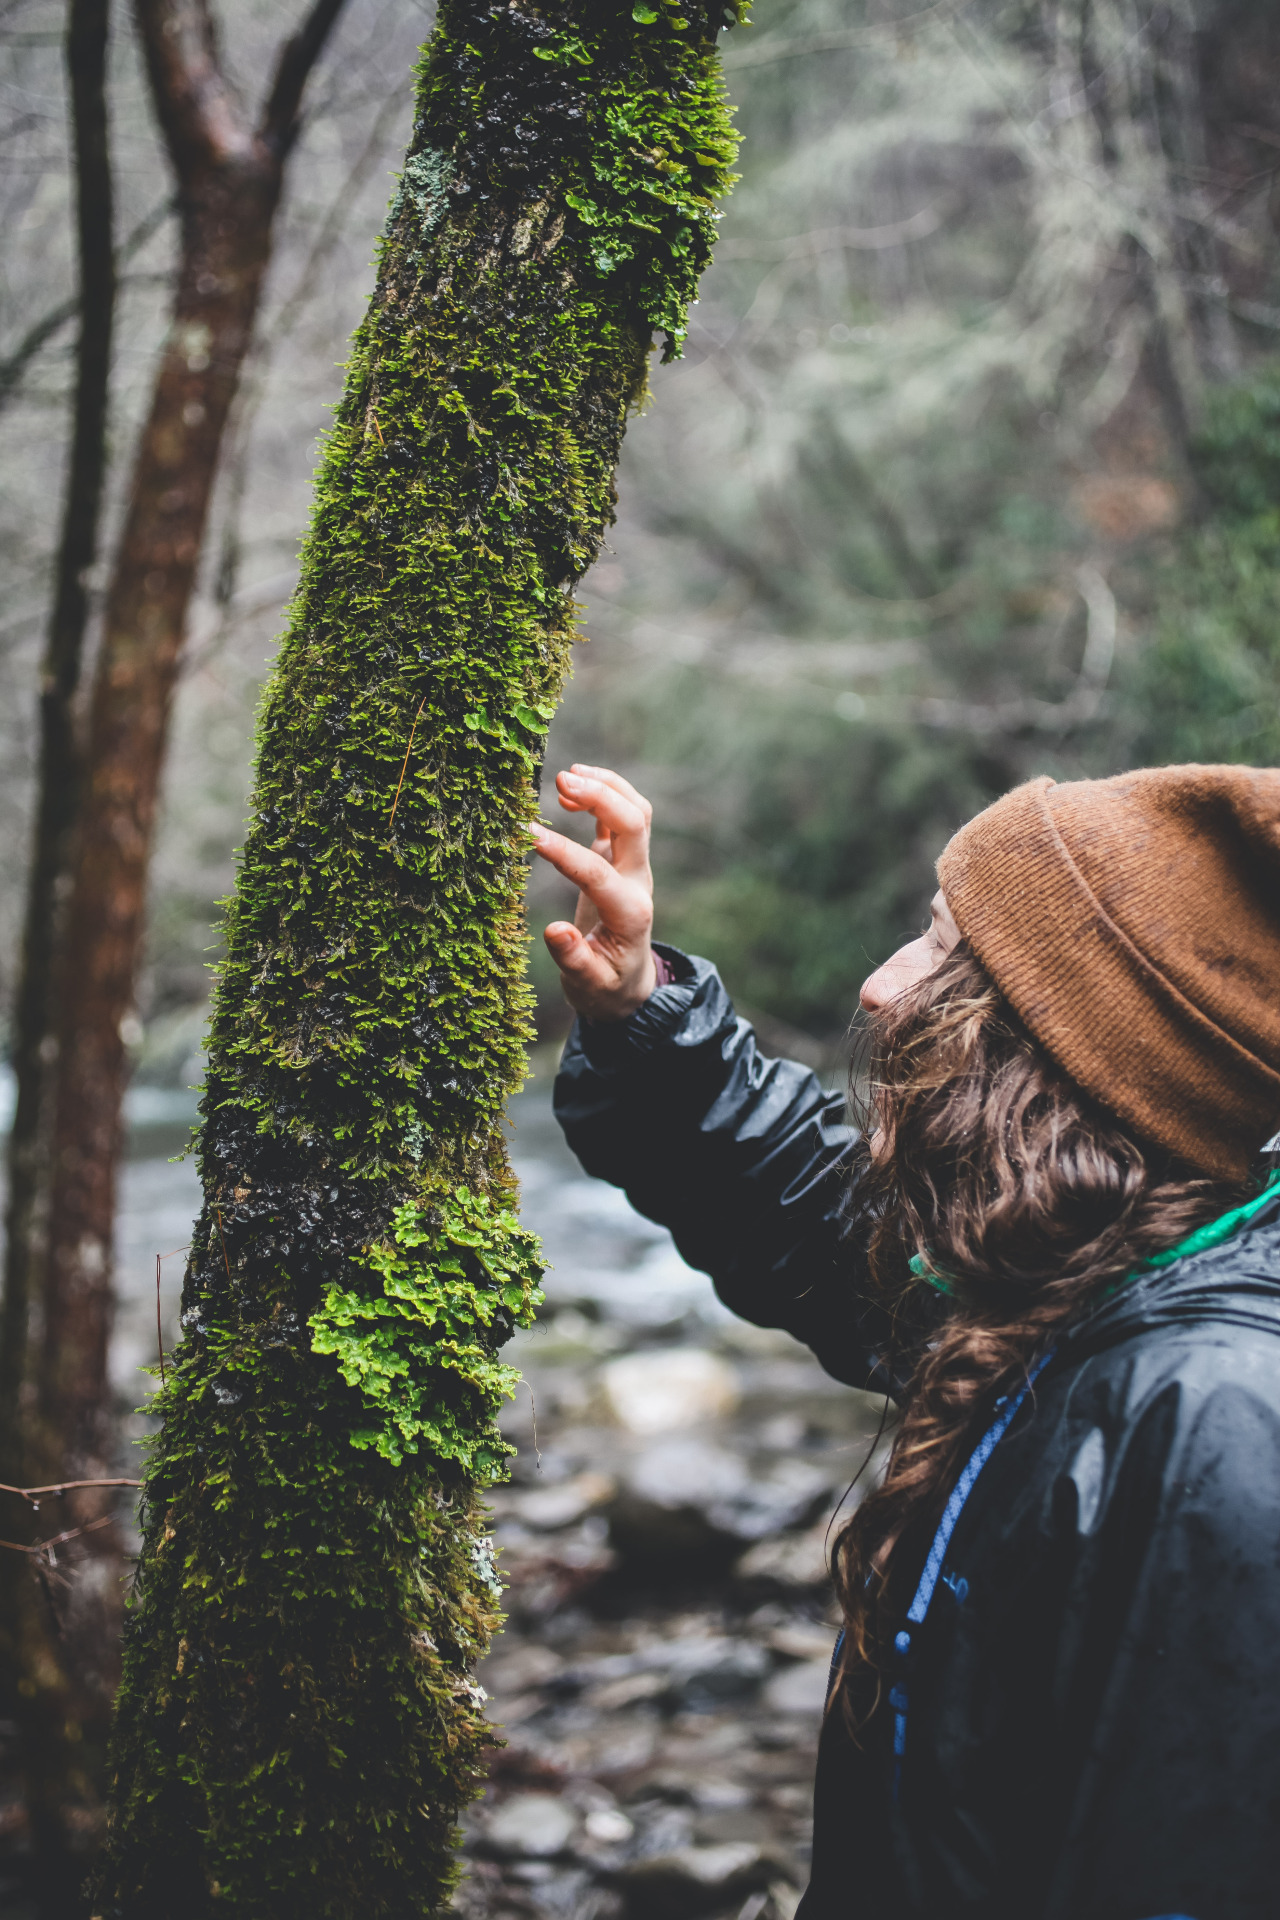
646	983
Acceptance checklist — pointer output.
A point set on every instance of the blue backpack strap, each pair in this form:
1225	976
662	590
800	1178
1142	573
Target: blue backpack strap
834	1669
899	1699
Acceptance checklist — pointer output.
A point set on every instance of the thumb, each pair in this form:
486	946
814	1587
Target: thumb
564	942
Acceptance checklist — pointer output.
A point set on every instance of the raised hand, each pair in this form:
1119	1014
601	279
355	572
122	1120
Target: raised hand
605	960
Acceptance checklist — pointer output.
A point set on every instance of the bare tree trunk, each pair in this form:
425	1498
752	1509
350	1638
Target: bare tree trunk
59	676
227	211
34	1681
229	175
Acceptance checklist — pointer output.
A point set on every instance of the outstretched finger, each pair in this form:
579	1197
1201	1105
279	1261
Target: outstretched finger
592	875
585	914
626	823
616	781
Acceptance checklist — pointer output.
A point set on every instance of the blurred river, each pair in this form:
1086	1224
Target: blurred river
661	1676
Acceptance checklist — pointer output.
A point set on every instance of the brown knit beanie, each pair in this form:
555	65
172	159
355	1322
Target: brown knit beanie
1134	924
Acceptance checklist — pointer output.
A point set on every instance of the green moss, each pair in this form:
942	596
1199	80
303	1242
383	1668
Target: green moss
447	1279
297	1730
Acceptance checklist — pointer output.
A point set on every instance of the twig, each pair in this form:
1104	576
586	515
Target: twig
222	1236
15	365
159	1330
280	114
65	1486
253	384
60	1539
534	1405
405	768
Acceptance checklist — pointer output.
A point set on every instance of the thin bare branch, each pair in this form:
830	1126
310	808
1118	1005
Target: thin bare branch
804	246
280	117
774	46
64	1486
45	1547
41	331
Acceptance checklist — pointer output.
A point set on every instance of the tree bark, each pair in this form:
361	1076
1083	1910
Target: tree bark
229	176
34	1681
297	1729
57	763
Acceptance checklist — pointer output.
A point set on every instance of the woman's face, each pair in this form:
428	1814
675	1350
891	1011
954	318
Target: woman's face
912	962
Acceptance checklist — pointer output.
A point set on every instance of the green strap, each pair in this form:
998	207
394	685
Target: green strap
1211	1234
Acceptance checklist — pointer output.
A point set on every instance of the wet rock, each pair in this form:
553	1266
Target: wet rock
706	1673
686	1472
546	1509
696	1672
518	1668
771	1499
800	1689
661	1515
677	1387
560	1893
685	1497
796	1639
532	1826
548	1573
661	1829
785	1432
612	1695
608	1827
615	1748
795	1561
707	1793
694	1880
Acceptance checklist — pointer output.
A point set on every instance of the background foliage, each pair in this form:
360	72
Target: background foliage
995	302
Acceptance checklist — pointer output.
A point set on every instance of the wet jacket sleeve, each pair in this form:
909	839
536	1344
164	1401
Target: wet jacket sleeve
1171	1656
748	1162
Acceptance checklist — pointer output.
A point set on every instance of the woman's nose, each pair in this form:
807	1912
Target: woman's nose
901	970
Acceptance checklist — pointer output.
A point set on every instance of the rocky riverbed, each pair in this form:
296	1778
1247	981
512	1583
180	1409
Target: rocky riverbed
658	1686
670	1621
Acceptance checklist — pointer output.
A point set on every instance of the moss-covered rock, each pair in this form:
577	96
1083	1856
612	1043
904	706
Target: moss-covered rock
297	1729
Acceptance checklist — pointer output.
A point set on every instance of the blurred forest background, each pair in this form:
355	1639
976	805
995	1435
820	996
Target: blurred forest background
971	469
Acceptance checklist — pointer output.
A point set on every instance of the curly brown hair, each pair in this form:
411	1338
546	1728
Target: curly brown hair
1024	1200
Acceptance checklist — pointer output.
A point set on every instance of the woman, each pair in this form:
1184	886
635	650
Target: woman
1058	1688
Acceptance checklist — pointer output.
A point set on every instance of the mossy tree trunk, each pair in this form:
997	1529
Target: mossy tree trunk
297	1729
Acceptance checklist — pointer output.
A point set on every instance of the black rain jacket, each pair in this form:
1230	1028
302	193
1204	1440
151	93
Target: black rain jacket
1094	1729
